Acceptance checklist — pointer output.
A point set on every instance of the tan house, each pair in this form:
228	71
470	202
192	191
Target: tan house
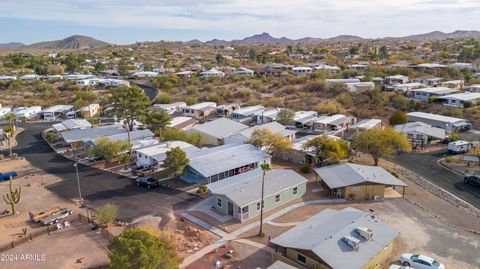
345	239
90	111
357	182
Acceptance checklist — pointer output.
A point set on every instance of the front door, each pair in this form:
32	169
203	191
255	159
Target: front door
230	208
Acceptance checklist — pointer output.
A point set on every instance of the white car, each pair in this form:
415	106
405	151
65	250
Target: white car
394	266
420	262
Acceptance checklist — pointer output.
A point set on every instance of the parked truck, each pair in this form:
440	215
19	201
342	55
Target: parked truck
459	146
37	217
56	217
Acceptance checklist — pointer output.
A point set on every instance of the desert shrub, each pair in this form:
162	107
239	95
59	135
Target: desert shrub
306	168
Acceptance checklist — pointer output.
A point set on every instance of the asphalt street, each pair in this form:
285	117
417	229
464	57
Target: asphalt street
425	165
98	187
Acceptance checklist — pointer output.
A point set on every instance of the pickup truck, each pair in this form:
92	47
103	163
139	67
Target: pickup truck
6	176
56	217
37	217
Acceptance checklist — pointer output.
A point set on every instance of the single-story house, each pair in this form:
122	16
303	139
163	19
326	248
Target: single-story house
240	196
266	116
366	124
185	74
246	114
424	94
214	132
334	81
6	78
182	123
155	155
171	108
77	137
467	66
298	154
420	133
90	111
357	182
27	112
302	118
30	77
200	110
454	84
243	71
281	265
334	122
360	86
212	73
212	164
246	134
72	124
461	99
330	68
449	124
336	239
145	74
429	81
302	70
378	80
405	87
428	66
52	113
358	67
472	88
138	139
4	111
397	79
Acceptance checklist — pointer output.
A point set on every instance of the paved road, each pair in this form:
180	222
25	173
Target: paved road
98	187
425	164
150	91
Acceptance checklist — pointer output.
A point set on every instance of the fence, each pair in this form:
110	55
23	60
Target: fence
48	229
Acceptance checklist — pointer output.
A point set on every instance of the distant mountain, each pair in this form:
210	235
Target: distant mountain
266	38
72	42
12	45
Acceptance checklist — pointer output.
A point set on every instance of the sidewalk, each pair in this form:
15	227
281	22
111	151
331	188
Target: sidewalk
234	235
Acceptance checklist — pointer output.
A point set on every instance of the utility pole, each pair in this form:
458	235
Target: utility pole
78	183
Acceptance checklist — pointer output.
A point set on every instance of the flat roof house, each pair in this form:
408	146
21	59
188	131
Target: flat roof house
27	112
405	87
461	99
266	116
449	124
171	108
212	164
420	133
246	114
302	70
145	74
360	86
454	84
212	73
430	81
357	182
302	118
182	123
298	154
424	94
243	71
366	124
138	139
200	110
155	155
72	124
77	137
52	113
240	196
336	239
334	122
4	111
90	111
246	134
333	81
397	79
214	132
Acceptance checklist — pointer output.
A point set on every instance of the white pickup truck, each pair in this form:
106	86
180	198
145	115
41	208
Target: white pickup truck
459	146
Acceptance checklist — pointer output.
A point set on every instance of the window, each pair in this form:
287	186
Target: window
245	209
301	258
277	198
295	191
219	202
258	206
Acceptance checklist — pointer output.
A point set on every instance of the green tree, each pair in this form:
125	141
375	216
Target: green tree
285	116
12	198
176	161
129	104
139	249
272	143
108	149
398	117
10	132
157	120
171	134
330	108
99	66
383	52
327	148
124	158
265	168
122	68
71	63
380	143
106	214
164	98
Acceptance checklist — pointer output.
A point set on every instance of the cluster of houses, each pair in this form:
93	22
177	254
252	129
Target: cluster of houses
81	80
53	113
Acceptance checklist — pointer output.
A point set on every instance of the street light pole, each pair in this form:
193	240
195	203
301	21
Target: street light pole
78	183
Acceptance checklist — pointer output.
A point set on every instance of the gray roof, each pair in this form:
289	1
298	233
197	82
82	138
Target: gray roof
273	126
91	133
421	128
244	189
134	135
220	128
348	174
281	265
435	117
211	161
72	124
322	234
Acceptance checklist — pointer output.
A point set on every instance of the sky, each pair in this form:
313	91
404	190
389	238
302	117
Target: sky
128	21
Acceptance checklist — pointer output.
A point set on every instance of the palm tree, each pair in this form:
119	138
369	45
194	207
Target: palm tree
10	131
265	168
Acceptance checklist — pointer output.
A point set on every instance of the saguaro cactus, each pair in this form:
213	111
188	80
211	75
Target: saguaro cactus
13	197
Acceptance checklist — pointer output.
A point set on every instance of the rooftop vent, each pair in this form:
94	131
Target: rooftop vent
365	233
352	242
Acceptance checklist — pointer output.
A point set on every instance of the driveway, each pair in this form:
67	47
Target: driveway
425	164
98	187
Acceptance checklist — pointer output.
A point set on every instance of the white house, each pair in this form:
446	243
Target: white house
366	124
266	116
406	87
4	111
397	79
145	74
468	66
186	74
301	118
214	132
182	123
302	70
334	81
429	81
155	155
200	110
27	112
171	108
246	114
421	133
460	99
424	94
454	84
360	86
8	78
78	76
330	68
212	73
358	67
449	124
72	124
246	134
52	113
243	71
30	77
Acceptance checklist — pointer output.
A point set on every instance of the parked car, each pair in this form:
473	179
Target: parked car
472	180
142	169
93	159
6	176
459	146
420	261
149	182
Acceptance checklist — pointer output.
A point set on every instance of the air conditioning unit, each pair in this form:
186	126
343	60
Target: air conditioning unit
376	197
365	233
351	241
